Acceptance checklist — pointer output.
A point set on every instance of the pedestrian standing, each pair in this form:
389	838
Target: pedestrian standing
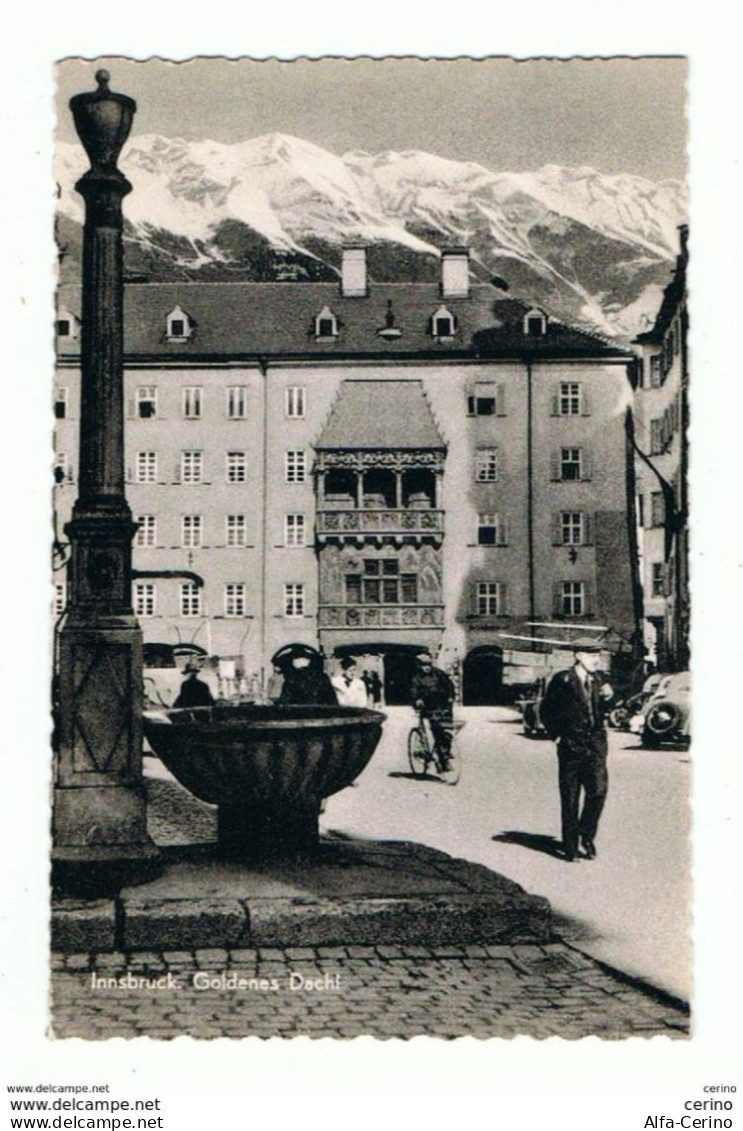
350	689
572	713
194	692
375	687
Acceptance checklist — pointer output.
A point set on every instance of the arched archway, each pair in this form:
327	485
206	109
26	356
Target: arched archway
482	676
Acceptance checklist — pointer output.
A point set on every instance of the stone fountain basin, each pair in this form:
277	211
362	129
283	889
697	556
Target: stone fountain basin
256	757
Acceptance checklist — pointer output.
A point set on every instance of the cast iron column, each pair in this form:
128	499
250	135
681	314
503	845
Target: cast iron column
99	829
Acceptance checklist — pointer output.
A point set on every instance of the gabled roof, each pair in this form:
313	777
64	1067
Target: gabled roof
381	414
270	320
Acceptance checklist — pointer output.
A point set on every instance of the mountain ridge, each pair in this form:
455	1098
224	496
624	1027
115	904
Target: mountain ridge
592	248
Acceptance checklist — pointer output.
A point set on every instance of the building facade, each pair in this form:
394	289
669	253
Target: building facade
368	468
662	421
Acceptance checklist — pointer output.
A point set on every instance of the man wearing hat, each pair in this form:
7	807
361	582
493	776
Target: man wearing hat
572	712
194	692
432	694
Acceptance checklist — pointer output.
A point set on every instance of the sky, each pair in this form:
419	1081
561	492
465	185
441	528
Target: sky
620	115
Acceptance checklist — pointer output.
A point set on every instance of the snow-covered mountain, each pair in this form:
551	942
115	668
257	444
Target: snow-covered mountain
593	249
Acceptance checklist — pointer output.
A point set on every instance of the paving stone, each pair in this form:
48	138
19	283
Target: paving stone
180	957
212	958
378	998
77	962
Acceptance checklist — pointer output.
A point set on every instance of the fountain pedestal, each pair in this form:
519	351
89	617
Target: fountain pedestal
268	832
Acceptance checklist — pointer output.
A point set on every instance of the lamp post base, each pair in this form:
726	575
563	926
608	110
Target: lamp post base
100	871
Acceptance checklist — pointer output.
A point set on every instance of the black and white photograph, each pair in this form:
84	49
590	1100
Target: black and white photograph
371	594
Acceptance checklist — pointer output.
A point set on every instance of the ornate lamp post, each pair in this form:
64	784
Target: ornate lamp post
99	828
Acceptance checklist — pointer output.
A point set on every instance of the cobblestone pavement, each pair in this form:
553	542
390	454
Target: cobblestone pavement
384	991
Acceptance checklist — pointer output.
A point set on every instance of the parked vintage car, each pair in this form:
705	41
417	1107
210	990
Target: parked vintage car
623	711
666	715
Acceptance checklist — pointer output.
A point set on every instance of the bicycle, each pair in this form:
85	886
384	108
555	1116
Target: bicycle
425	752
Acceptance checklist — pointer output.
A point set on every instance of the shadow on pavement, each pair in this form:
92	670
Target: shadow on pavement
416	777
538	842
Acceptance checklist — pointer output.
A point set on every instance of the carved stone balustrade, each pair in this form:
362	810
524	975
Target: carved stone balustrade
381	616
401	525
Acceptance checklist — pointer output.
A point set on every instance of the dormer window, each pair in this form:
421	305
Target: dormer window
535	323
443	324
326	325
178	326
66	325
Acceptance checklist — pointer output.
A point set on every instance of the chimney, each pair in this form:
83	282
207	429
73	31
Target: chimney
455	272
353	272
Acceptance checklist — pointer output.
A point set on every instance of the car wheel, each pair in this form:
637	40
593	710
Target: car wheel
663	719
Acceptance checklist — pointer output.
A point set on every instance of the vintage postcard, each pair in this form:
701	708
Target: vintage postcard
372	707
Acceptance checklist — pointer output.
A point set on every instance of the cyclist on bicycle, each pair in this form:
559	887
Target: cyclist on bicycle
432	694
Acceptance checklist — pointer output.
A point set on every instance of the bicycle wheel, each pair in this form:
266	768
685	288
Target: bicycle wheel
418	752
450	768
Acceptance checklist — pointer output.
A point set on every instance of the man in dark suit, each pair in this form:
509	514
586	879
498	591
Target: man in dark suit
572	712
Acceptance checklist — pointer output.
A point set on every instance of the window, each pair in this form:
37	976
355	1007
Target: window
146	402
147	530
381	583
571	463
64	327
488	530
656	437
191	527
488	598
60	598
443	323
190	600
641	510
294	530
658	579
295	397
146	467
572	527
60	404
144	598
293	600
295	468
237	467
62	468
192	399
535	323
191	467
484	400
236	530
486	465
326	324
570	398
234	599
657	509
573	598
178	326
656	375
237	402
